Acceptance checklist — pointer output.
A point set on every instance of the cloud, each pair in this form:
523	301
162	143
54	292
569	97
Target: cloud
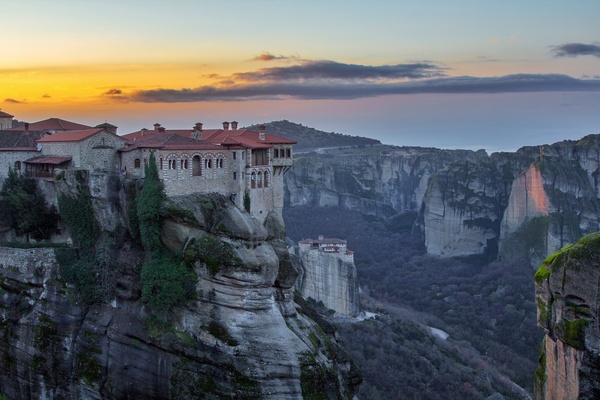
576	49
46	96
518	83
13	101
332	70
266	56
113	92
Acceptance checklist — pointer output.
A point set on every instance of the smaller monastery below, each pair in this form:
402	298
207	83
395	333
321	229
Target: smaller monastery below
328	274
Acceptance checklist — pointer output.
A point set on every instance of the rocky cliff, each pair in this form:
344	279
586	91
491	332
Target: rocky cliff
528	203
328	278
242	335
568	295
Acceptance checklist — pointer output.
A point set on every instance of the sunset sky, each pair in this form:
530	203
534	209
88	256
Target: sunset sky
453	74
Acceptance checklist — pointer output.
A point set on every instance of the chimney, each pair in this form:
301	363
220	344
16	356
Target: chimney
144	130
234	125
198	126
26	128
225	125
320	237
261	132
156	126
161	128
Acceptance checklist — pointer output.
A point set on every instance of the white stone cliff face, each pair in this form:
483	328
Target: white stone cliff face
330	278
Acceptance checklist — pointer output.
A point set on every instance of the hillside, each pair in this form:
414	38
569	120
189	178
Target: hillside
311	138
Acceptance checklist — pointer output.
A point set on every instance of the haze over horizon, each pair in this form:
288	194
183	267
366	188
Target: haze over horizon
461	74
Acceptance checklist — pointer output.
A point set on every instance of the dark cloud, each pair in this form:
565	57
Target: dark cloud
46	96
13	101
266	56
331	70
576	49
113	92
519	83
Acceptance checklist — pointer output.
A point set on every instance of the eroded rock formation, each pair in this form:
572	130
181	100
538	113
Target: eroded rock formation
528	203
242	337
568	296
329	278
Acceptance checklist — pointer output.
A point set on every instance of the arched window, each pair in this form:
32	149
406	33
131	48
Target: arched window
196	166
136	163
207	163
266	178
172	164
253	180
259	179
184	163
161	163
17	165
219	162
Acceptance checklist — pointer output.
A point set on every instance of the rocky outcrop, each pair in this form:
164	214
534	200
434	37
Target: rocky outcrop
568	296
329	278
528	203
243	336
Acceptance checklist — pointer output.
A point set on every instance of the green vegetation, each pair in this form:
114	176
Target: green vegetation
247	200
541	274
78	214
216	254
540	371
572	332
166	281
23	207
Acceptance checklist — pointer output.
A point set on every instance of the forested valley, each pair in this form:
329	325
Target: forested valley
486	306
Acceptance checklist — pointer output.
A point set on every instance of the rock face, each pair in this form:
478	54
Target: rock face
243	336
528	203
329	278
568	296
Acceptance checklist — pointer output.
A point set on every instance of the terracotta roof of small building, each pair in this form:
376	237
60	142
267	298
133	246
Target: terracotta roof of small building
48	160
70	136
54	124
5	115
245	136
323	241
19	139
168	140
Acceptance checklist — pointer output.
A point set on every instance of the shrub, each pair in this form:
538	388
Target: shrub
23	207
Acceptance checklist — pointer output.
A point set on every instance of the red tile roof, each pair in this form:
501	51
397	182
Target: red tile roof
5	115
53	124
244	136
169	140
69	136
48	160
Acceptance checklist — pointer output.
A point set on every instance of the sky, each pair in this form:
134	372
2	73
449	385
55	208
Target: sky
465	74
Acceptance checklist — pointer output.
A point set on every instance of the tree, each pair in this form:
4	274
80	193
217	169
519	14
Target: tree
23	207
149	206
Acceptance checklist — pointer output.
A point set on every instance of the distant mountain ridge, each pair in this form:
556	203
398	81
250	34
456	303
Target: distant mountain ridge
311	138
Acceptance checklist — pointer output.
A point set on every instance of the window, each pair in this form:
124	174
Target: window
259	179
219	163
196	166
136	163
161	163
288	153
207	163
253	180
234	175
172	164
184	163
234	155
17	165
275	153
266	178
